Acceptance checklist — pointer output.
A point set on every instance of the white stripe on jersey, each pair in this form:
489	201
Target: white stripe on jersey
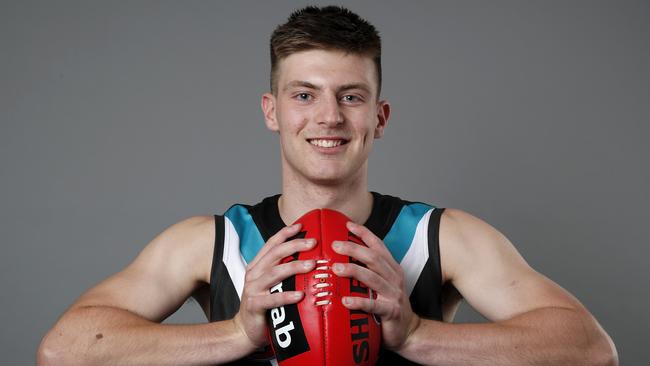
417	254
232	257
234	261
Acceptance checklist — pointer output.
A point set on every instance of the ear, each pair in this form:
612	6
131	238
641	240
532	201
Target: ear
268	108
383	113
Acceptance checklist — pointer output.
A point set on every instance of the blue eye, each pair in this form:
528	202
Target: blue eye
351	98
303	96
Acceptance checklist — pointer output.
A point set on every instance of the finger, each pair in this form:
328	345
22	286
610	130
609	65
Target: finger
378	307
279	273
280	237
369	278
269	301
374	260
276	254
370	239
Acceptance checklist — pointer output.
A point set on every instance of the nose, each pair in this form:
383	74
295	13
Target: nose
329	112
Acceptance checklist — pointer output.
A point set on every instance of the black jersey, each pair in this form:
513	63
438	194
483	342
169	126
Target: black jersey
409	230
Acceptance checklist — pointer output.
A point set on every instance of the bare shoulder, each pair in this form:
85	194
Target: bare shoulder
465	238
190	242
458	224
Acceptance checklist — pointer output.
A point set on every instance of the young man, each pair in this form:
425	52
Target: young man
324	104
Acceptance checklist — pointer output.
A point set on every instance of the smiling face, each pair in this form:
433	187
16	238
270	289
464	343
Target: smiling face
327	113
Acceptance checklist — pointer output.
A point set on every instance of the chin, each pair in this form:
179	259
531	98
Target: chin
323	173
330	178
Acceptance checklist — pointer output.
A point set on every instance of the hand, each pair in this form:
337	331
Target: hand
384	276
265	272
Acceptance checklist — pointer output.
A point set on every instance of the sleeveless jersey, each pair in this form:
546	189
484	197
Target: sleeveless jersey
409	230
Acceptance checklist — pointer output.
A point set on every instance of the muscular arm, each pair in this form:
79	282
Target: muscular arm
117	321
535	321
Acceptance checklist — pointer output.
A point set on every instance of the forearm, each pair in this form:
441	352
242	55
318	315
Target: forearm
549	336
110	336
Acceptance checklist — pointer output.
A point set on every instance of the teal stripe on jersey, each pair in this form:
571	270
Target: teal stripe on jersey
401	234
250	239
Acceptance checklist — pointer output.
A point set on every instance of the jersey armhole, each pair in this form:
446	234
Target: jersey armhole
217	262
433	236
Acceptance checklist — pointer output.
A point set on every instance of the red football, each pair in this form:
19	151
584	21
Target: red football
319	330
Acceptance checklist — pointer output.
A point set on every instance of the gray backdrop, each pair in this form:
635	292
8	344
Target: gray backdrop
121	118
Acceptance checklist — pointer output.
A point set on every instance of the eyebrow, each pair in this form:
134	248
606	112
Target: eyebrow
300	83
344	87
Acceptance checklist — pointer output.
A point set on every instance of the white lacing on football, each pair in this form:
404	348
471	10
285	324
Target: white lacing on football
321	292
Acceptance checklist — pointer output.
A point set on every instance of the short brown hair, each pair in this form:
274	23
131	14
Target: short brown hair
327	28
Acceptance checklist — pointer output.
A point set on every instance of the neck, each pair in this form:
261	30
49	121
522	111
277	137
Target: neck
299	196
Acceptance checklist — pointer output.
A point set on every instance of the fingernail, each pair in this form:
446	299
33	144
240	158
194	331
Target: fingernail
296	226
308	264
347	301
337	267
310	242
296	295
337	245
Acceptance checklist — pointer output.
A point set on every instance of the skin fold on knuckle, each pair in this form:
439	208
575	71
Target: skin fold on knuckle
372	260
303	245
279	252
290	299
279	299
299	267
278	274
249	281
365	277
369	278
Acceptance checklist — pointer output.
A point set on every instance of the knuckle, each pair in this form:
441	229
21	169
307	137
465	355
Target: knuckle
296	266
273	301
272	240
299	244
248	277
280	236
276	272
364	272
374	278
304	266
286	296
344	247
289	230
277	252
372	259
279	299
287	248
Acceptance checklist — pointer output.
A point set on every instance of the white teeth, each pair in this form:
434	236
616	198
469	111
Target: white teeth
326	143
